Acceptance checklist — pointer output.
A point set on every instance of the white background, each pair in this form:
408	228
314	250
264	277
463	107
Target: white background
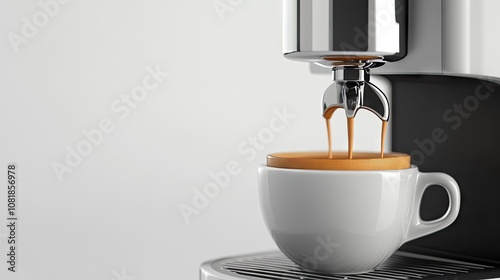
116	215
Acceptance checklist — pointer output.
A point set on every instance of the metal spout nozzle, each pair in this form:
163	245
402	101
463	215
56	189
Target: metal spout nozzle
352	90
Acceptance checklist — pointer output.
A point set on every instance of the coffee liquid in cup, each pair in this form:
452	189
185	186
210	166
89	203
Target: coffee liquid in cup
339	161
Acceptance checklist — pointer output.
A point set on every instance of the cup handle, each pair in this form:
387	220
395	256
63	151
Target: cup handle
418	227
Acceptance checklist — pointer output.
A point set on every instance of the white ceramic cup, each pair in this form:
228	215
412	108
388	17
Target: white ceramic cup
348	222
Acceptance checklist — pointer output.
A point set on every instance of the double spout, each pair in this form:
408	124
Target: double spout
352	90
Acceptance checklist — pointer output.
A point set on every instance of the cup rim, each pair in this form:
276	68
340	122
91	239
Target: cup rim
320	160
264	166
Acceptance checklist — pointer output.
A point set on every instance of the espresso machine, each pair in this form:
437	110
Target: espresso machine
439	58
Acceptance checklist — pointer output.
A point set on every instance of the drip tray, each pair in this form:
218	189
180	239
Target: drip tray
402	265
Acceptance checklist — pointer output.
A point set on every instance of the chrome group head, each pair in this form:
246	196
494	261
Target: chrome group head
351	90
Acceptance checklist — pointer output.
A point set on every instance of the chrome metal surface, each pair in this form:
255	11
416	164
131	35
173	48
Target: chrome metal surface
329	32
349	74
351	90
276	266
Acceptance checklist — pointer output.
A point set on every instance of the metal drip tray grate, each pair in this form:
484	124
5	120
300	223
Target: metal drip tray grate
276	266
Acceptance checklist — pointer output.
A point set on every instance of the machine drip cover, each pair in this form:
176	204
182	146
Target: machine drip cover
402	265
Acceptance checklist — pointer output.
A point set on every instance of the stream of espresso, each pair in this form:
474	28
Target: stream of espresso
382	138
330	152
350	136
